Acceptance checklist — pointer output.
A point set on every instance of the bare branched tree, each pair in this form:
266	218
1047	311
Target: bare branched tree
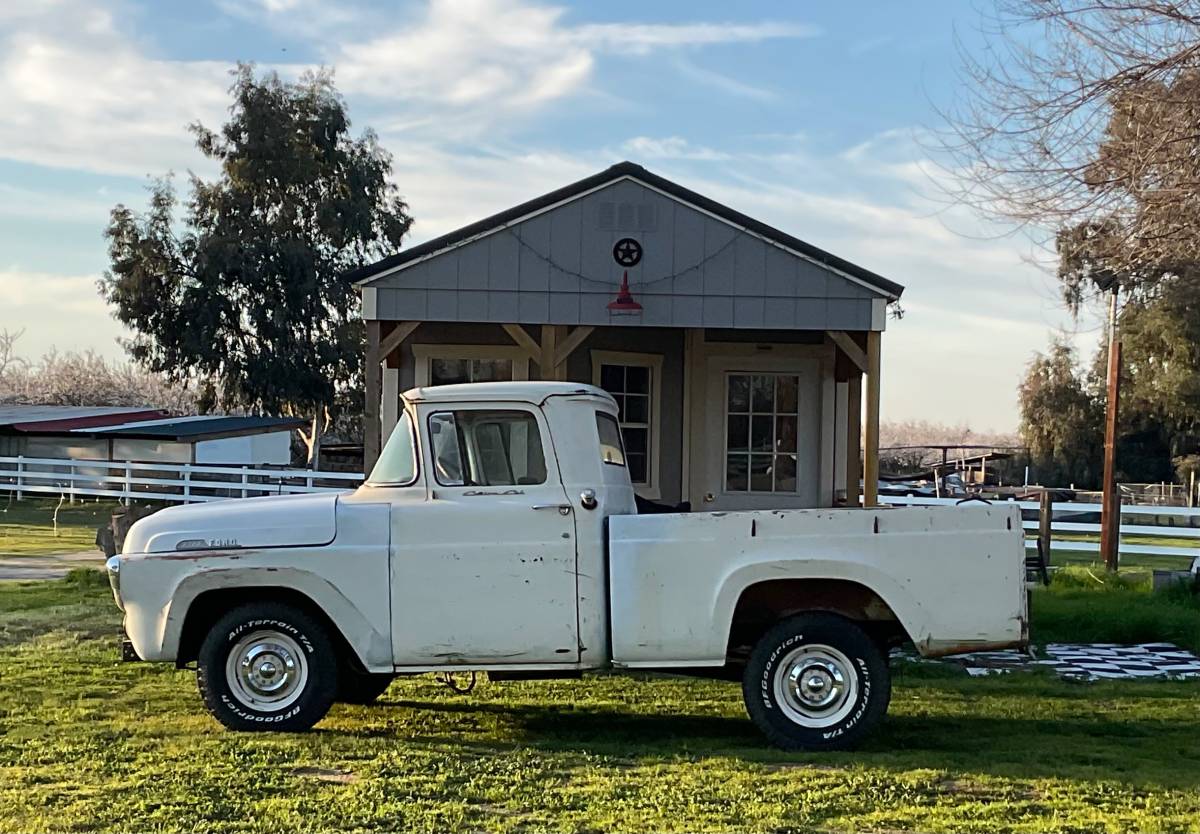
1084	116
9	361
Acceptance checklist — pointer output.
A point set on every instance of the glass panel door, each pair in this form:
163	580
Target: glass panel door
761	416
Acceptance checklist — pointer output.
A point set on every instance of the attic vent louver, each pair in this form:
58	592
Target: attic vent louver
626	217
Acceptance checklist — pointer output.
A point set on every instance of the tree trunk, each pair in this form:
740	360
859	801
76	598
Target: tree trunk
312	439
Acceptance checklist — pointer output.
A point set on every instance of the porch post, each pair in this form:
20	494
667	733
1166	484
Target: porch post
390	408
548	364
373	393
871	429
853	438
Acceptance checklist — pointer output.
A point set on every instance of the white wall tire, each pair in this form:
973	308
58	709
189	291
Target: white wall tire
267	666
816	682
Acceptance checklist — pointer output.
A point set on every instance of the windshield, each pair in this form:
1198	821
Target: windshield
397	464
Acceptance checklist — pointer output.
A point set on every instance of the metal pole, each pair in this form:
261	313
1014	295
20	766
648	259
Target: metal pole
1110	518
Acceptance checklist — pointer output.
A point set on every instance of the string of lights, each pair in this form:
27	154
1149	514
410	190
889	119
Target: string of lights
609	283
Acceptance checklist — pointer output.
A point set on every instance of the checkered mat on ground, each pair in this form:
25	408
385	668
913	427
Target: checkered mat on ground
1087	661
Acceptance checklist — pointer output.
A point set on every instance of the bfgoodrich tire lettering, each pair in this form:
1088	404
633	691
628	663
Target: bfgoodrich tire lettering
267	666
816	682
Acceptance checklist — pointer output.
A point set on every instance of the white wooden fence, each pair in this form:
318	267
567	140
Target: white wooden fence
149	481
1165	522
186	483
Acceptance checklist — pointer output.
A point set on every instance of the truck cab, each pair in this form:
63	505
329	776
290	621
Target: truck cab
499	533
490	509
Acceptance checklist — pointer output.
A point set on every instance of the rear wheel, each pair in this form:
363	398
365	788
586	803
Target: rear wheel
267	666
816	682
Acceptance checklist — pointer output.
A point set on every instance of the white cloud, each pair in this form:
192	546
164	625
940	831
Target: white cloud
85	97
489	59
669	147
63	311
89	97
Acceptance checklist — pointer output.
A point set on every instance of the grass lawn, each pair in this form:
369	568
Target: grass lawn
87	743
27	526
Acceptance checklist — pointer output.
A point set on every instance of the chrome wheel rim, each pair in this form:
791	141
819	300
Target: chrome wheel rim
816	686
267	671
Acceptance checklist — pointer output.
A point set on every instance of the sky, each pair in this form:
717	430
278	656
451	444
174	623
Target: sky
817	118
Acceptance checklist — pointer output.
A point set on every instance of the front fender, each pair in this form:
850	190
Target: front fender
370	645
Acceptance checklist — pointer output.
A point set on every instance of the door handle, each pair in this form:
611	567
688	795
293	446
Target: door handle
563	509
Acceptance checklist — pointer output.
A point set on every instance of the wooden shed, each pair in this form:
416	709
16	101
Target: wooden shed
740	355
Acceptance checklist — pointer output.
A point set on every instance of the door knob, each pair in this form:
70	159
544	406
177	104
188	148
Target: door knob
587	499
709	498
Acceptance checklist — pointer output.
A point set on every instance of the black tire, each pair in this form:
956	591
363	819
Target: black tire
280	633
356	687
823	644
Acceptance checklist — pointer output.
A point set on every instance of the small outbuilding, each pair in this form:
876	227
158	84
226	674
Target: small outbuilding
736	352
144	435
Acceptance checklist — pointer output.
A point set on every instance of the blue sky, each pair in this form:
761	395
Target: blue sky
813	117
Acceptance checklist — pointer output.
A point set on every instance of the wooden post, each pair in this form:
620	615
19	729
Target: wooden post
1045	520
373	379
1110	517
871	431
548	361
853	439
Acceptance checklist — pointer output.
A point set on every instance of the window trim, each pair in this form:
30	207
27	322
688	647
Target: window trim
654	361
424	352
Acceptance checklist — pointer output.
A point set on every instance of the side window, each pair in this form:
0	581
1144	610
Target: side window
609	432
486	448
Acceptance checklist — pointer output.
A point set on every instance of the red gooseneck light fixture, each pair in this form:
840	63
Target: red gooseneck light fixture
623	304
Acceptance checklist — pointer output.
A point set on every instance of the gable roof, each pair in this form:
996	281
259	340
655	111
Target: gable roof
623	170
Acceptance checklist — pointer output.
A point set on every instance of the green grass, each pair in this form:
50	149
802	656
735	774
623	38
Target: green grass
27	526
87	743
1084	604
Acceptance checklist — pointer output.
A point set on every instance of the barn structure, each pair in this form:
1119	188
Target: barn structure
739	354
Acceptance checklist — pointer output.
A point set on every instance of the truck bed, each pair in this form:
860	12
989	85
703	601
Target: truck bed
953	576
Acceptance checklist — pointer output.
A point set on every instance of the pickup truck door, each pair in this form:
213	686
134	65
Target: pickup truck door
484	572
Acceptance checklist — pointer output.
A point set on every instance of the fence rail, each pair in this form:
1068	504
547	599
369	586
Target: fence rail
152	481
1182	523
187	483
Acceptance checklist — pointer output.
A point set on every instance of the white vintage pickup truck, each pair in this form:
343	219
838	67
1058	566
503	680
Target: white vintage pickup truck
498	532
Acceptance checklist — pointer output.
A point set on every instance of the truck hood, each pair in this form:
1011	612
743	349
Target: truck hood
275	521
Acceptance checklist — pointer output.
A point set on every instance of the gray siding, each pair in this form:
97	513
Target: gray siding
557	268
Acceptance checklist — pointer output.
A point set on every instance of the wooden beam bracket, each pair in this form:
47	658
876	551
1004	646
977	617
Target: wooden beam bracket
526	342
572	342
849	347
396	337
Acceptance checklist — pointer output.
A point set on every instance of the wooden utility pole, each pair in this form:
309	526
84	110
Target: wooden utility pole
1110	517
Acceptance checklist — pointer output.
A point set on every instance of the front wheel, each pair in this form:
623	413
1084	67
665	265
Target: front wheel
816	682
267	666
